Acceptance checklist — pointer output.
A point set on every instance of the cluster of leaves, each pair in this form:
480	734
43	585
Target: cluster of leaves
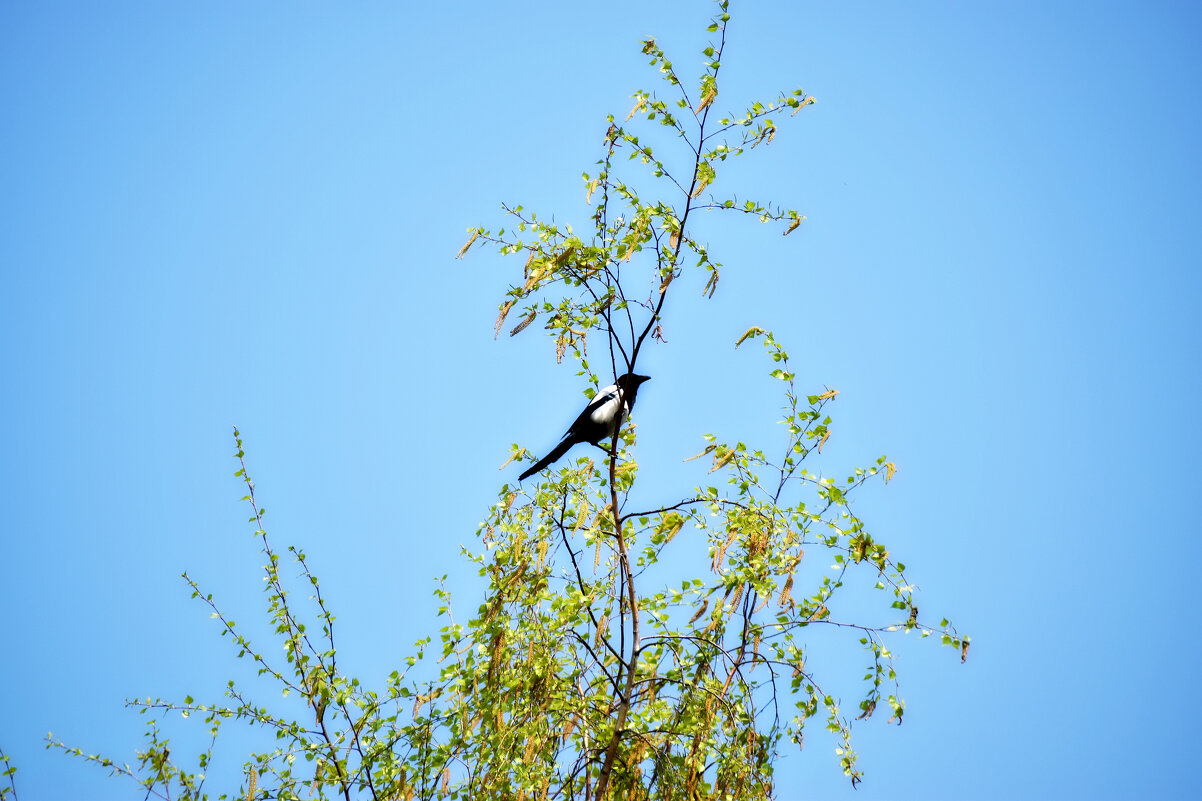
350	738
595	681
685	689
9	773
581	285
593	668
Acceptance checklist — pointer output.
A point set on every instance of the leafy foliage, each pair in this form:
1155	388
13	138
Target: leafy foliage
9	773
593	669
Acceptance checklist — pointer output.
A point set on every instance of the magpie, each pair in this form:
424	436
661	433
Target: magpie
599	420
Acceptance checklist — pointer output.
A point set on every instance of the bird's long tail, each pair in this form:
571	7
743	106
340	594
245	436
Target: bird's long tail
552	457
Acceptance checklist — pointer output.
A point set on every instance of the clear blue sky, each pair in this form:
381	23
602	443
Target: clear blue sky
225	213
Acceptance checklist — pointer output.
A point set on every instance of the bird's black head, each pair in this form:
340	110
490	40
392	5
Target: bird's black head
628	385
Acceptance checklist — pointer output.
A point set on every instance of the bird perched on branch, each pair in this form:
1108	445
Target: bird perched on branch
599	420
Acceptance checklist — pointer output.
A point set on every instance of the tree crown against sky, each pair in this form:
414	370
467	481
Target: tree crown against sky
607	682
1009	191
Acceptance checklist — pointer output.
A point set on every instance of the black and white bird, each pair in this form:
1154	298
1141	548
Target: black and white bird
599	420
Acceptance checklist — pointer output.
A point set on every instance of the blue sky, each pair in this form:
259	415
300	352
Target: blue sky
215	215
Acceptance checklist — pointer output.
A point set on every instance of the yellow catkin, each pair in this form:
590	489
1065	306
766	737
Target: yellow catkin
536	273
562	256
720	554
663	285
757	542
734	602
724	459
520	327
786	592
468	244
642	100
501	317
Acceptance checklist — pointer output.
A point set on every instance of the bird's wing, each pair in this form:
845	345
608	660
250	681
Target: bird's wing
603	406
599	412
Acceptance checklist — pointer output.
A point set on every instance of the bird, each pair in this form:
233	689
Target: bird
599	420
